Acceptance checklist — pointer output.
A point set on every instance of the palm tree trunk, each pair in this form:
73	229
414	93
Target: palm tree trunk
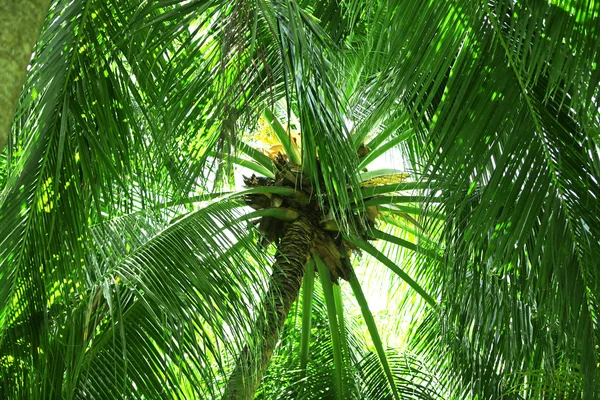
286	279
20	24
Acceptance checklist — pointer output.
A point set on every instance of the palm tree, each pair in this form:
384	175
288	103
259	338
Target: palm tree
131	265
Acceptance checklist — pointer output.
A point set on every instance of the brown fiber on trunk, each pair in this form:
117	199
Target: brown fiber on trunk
284	285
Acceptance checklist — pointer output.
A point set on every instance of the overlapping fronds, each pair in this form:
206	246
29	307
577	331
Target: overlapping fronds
176	306
364	374
87	149
503	96
116	281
